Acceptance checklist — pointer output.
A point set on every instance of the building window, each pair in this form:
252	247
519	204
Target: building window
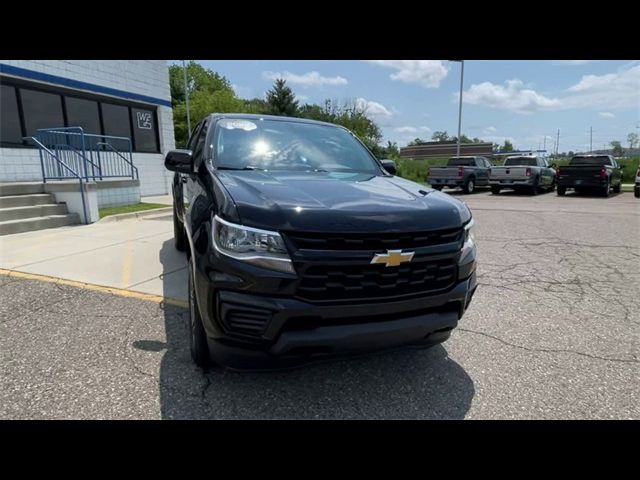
115	120
41	110
83	113
144	130
10	129
28	106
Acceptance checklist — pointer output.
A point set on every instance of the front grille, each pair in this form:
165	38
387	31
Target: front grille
331	282
373	242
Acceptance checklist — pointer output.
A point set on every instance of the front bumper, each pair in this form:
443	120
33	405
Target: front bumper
256	324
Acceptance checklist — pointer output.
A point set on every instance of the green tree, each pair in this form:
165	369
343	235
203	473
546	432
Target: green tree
198	79
281	100
618	151
392	151
440	136
507	146
633	140
416	141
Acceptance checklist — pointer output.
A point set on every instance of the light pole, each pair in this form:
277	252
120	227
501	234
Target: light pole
460	105
186	97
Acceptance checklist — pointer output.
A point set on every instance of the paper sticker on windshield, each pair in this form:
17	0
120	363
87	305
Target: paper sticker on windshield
232	124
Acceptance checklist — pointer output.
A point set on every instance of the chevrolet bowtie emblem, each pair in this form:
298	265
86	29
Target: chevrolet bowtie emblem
392	258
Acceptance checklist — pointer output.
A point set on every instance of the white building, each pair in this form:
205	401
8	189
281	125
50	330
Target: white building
125	98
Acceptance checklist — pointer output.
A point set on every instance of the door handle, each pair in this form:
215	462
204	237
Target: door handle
184	179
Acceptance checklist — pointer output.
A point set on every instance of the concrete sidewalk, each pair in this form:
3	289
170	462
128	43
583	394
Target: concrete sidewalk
134	254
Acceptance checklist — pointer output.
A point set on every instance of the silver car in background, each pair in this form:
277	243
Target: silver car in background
523	172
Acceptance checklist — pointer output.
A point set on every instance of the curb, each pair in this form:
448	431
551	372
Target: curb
121	292
143	213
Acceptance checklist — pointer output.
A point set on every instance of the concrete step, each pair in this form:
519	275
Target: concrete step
17	213
23	188
26	200
38	223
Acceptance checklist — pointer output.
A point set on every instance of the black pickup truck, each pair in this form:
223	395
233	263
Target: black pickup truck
590	172
302	245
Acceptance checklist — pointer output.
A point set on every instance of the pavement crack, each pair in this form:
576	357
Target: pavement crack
550	350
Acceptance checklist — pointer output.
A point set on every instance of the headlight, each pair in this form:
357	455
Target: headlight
469	239
252	245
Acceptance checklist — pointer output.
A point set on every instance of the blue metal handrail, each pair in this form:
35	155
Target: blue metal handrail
108	146
59	163
90	149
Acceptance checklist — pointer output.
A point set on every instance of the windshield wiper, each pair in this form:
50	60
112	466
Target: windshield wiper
248	167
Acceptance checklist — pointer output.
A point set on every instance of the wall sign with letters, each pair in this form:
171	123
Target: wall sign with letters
144	120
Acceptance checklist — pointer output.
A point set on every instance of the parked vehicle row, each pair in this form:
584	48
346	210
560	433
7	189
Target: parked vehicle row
636	188
531	173
599	172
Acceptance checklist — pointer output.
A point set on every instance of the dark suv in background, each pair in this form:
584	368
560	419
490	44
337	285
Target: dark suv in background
302	245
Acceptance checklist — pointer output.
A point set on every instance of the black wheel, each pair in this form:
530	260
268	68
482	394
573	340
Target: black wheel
605	190
197	337
495	189
179	236
470	185
535	189
617	188
636	191
438	187
561	191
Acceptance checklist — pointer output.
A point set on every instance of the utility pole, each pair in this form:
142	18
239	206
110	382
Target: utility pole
590	139
558	142
186	97
545	144
460	106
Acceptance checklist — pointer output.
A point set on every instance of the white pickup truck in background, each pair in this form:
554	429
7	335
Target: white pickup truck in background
523	172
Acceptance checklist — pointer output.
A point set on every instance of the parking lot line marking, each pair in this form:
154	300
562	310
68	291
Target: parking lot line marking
97	288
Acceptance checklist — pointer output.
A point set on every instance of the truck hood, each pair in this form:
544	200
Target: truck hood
339	202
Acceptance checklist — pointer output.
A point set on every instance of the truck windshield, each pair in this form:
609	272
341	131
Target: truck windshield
261	144
461	162
599	161
529	162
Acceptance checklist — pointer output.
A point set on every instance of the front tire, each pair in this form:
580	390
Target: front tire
561	191
495	190
197	336
179	235
617	188
470	185
636	191
605	190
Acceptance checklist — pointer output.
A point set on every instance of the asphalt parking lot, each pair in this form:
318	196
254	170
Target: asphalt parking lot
553	333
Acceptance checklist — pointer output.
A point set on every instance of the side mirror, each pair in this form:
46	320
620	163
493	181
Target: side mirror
180	161
554	166
390	166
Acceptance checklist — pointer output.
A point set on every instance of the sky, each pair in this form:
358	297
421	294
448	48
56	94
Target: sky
523	101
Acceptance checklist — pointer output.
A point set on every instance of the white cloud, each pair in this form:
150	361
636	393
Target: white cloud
374	109
489	130
309	79
406	129
301	98
427	73
571	62
513	95
612	90
607	114
410	129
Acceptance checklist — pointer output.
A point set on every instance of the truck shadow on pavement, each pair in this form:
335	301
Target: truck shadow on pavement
416	384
